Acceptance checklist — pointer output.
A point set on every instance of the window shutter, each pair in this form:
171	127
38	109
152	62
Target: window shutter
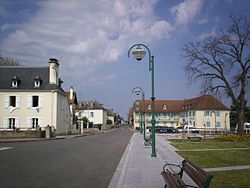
17	121
5	123
29	101
40	101
18	101
40	122
6	101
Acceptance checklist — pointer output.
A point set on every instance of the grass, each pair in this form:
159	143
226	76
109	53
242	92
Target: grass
188	145
219	158
209	159
231	179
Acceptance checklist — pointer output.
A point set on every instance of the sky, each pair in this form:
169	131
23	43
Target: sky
91	41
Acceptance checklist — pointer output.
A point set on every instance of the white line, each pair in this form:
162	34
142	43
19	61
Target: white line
5	148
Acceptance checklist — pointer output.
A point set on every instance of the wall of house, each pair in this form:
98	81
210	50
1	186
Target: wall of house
46	112
63	118
96	116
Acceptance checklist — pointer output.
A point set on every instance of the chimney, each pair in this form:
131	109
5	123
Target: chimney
53	71
71	93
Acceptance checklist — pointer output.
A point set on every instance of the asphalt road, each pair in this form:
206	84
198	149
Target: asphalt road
77	162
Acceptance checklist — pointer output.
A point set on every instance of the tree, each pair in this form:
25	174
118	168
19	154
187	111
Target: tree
6	61
222	64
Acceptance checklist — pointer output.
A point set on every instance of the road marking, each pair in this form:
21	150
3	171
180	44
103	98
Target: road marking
5	148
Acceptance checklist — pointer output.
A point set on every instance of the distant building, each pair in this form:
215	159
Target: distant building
94	112
32	97
201	112
72	99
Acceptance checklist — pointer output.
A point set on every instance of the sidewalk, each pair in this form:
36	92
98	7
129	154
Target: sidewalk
138	169
7	140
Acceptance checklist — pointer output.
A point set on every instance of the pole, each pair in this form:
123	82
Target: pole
153	108
143	103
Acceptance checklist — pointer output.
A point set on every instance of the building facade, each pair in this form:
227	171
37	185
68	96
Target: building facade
32	98
94	112
204	112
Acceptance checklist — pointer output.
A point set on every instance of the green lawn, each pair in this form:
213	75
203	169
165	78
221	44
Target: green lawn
208	159
231	179
188	145
219	158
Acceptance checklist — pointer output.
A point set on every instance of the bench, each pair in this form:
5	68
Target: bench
174	179
194	138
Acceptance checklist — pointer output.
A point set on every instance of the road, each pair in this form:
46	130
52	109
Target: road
88	161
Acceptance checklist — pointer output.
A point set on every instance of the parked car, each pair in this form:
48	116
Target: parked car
191	128
161	129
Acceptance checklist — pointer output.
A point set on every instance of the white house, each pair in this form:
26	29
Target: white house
94	111
32	97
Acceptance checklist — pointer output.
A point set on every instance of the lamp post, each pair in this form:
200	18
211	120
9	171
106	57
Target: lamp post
139	54
138	91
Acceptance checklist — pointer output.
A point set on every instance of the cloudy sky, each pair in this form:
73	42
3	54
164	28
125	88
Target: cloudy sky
91	40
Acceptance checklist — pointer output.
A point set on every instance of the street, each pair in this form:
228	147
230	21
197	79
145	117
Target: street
88	161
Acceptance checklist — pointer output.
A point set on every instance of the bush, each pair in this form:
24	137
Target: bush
234	138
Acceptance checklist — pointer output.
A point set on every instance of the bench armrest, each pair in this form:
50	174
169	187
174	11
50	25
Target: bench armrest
169	165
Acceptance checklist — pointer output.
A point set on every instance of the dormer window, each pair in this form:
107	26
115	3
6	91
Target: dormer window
149	107
15	81
164	107
37	82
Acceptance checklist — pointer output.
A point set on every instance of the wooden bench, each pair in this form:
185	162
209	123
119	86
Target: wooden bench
197	174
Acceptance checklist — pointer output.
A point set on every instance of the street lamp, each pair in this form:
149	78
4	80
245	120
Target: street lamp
138	91
139	54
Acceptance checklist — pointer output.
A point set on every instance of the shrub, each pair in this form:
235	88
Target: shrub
234	138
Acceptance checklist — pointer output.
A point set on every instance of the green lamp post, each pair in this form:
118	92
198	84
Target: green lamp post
138	91
139	54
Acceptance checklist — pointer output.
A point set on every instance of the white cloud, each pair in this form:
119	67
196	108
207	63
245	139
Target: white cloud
84	33
186	11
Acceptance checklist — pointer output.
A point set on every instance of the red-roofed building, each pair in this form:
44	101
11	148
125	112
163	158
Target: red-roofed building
201	112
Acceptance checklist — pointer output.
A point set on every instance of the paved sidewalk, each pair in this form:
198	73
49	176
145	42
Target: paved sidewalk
138	169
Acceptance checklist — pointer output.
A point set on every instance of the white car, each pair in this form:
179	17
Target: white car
191	128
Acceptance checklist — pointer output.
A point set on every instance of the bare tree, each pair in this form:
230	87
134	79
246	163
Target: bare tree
222	64
6	61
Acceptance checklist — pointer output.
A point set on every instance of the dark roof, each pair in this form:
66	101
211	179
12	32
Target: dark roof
89	105
26	76
204	102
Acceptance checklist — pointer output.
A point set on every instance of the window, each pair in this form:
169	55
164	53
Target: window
37	83
207	113
15	81
208	124
91	114
217	124
35	101
11	123
217	113
34	122
164	107
12	101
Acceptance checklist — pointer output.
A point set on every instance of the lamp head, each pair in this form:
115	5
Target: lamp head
139	53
